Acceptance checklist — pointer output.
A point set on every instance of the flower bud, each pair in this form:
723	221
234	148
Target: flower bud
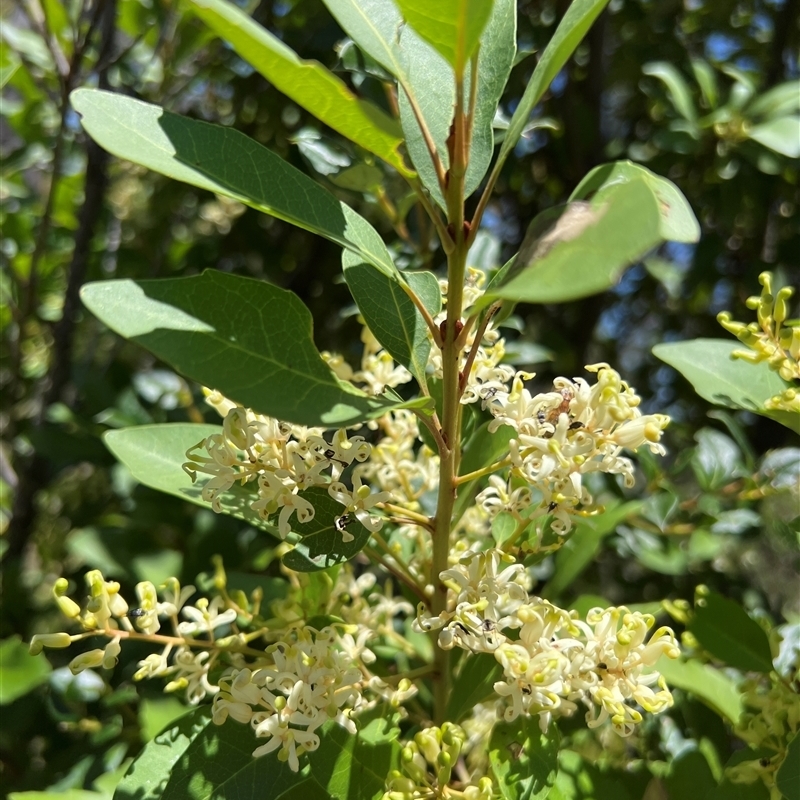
42	640
428	743
110	654
69	608
88	660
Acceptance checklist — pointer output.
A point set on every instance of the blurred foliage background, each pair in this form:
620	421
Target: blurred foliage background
692	89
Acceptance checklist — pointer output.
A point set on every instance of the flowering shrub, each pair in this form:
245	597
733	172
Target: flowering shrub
411	496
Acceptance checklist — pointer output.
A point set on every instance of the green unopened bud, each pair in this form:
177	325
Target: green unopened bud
240	599
220	578
782	305
68	607
443	776
726	320
444	759
42	640
402	784
88	660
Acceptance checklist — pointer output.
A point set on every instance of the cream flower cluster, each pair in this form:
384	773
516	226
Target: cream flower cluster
771	720
555	660
308	682
427	768
108	614
282	460
560	436
378	369
773	339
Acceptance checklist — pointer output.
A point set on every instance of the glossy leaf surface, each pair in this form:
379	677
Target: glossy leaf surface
473	684
524	760
453	27
730	634
391	314
355	767
710	685
197	760
323	545
308	83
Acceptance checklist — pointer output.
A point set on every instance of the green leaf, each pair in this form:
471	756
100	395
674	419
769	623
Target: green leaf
430	81
157	714
787	778
250	340
779	101
355	767
155	455
225	161
717	460
7	72
20	672
430	86
373	26
585	250
592	779
197	760
322	545
689	776
308	83
583	545
730	634
781	134
677	88
571	30
391	314
706	683
678	222
725	381
473	684
707	81
53	794
524	760
728	790
495	60
453	27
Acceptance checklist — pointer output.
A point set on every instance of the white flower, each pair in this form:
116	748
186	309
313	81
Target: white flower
358	501
205	617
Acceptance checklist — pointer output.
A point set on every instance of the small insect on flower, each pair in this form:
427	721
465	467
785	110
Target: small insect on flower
136	613
330	455
340	523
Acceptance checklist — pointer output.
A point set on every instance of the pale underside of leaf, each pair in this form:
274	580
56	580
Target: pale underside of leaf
225	161
248	339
